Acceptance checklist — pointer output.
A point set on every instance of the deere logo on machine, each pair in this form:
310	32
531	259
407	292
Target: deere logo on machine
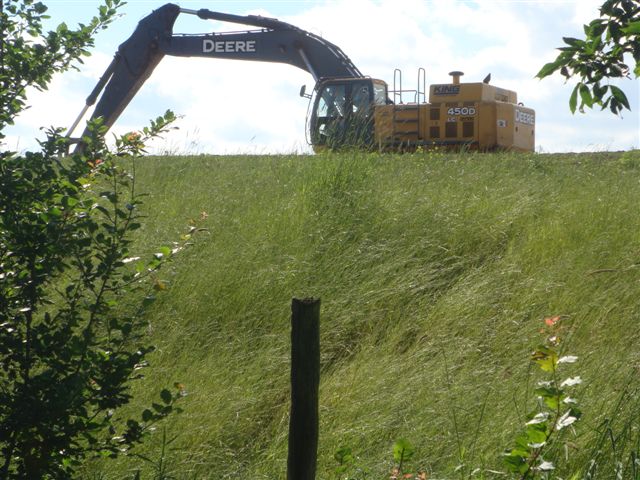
211	46
446	89
525	117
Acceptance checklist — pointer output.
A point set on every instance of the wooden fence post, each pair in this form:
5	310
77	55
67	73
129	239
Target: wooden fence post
305	381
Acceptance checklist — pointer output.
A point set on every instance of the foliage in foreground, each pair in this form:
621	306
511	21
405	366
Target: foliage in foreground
556	412
72	298
29	56
600	56
72	304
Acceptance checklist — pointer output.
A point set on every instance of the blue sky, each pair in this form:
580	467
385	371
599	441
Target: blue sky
230	107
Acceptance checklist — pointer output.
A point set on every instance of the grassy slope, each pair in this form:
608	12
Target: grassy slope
435	272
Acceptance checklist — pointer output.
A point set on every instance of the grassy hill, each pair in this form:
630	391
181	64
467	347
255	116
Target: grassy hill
435	273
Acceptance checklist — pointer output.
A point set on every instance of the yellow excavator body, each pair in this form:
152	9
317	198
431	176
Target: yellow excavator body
470	115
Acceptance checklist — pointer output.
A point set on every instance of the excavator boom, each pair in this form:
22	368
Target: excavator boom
153	38
278	42
279	46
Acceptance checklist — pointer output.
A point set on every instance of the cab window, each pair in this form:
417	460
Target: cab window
379	93
360	97
332	101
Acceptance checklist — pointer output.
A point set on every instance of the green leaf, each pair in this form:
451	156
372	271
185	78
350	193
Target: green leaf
551	396
595	29
573	100
546	358
620	96
515	462
343	455
599	92
154	264
522	445
585	95
148	301
132	424
576	412
166	396
55	211
403	451
574	42
147	415
632	29
536	434
548	69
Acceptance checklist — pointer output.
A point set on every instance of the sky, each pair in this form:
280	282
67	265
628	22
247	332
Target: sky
240	107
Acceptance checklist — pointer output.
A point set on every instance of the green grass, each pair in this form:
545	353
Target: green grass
435	272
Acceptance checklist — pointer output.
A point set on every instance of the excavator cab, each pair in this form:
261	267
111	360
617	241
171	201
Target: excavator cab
342	111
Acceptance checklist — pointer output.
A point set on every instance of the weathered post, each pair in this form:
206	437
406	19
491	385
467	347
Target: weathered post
305	381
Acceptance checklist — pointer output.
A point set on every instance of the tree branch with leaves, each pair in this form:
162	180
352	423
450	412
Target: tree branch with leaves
73	299
610	42
29	56
73	296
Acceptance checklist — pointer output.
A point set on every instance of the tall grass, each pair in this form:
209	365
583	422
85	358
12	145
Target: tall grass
434	270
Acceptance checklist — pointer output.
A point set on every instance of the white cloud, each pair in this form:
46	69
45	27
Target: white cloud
233	106
585	11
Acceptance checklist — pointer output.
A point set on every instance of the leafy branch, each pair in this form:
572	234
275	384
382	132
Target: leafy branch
603	54
73	304
29	56
556	411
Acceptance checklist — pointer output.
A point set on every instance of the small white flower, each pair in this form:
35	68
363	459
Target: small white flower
537	445
539	418
570	382
545	466
568	359
565	420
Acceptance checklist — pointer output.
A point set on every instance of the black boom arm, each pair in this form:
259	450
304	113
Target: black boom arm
274	41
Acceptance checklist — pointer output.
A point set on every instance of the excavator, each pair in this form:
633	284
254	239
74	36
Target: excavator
346	108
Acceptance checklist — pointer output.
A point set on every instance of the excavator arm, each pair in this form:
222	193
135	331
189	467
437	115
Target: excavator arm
153	38
276	42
